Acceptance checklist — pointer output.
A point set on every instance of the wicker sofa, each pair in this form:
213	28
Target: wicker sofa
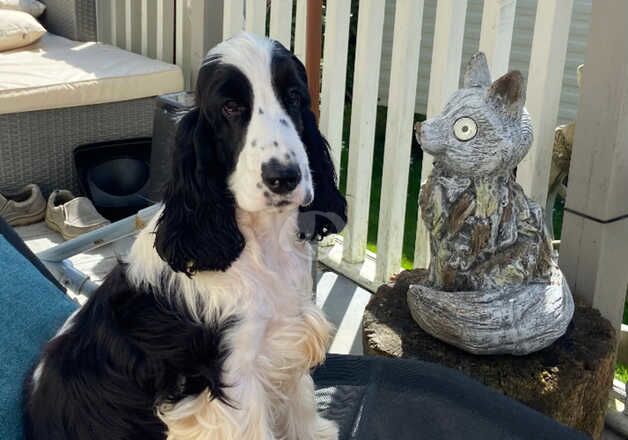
36	146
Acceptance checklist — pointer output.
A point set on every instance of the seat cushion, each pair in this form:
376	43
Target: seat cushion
32	309
18	29
57	72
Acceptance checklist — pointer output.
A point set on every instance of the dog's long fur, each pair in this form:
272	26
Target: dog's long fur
208	330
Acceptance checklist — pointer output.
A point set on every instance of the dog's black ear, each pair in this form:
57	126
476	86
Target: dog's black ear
327	214
197	229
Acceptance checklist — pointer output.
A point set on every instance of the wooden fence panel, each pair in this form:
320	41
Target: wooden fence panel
338	16
281	21
403	82
545	77
444	80
362	135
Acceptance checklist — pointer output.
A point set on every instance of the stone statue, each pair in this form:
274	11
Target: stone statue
493	284
561	159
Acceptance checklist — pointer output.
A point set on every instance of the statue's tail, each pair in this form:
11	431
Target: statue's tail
511	320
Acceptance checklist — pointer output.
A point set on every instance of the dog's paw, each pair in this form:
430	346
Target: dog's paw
326	429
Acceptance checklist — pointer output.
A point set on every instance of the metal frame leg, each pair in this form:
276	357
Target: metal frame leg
57	257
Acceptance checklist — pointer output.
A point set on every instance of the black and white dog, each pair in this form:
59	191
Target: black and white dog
208	330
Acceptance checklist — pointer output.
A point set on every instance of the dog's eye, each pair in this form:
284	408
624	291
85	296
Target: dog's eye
232	108
294	98
465	129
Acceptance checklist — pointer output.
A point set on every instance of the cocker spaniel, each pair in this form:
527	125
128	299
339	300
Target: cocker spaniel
208	329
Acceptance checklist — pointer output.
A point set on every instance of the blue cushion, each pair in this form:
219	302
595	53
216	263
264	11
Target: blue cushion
31	311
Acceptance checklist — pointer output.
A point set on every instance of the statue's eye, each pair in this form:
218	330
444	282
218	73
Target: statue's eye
465	129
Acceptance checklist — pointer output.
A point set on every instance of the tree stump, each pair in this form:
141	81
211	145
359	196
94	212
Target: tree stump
568	381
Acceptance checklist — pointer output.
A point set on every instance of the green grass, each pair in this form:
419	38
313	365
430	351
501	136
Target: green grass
621	372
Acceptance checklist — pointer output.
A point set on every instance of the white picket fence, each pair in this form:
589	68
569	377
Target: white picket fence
148	27
544	85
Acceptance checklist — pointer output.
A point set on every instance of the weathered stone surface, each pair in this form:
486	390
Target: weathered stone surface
568	381
516	320
491	260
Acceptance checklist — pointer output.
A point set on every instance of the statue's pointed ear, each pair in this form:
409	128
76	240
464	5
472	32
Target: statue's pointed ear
508	94
476	74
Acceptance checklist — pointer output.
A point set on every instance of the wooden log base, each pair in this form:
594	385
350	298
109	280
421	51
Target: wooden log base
568	381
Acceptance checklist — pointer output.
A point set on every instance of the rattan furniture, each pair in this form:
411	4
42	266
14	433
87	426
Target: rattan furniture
36	146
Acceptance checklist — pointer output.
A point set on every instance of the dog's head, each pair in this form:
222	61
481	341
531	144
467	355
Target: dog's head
252	143
484	127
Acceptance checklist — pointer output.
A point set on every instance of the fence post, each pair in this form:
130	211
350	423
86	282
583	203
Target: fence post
363	117
594	246
233	18
498	21
299	29
281	21
401	102
255	16
444	80
337	18
545	78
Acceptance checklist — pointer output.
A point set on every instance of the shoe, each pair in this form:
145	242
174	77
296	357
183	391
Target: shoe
72	216
25	207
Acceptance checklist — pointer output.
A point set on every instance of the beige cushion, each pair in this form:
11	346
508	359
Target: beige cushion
57	72
18	29
33	7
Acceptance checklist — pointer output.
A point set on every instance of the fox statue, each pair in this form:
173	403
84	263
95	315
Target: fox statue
491	257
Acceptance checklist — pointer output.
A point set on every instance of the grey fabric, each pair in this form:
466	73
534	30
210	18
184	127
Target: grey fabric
73	19
36	147
380	398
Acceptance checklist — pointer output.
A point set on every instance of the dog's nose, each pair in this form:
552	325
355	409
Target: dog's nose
280	178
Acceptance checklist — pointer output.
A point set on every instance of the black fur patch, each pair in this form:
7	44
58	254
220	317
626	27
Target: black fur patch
197	229
127	351
327	212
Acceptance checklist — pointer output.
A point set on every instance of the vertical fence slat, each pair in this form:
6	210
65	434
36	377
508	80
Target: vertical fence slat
498	20
545	78
233	18
362	136
299	30
401	102
255	16
338	16
103	20
444	80
165	30
281	21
